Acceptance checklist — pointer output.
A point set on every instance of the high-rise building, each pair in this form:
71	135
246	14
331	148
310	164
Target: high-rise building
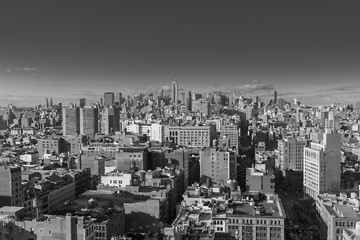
46	102
291	154
161	93
275	97
175	92
10	186
110	120
295	102
281	103
71	121
118	98
88	121
322	165
189	101
108	99
82	102
51	102
218	164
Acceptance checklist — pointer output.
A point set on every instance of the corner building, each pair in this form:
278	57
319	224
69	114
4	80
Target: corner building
322	165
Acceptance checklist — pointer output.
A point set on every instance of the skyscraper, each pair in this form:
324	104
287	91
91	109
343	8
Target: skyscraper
275	97
82	102
110	120
161	93
71	121
118	98
322	165
108	99
175	92
189	101
88	121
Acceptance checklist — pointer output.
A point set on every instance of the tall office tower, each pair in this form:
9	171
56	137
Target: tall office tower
108	99
71	121
51	102
182	98
118	98
161	93
281	103
46	102
295	102
82	102
231	132
189	101
175	92
322	165
257	99
275	97
110	120
291	154
218	164
89	121
10	186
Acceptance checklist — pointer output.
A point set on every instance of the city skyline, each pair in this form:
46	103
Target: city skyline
308	51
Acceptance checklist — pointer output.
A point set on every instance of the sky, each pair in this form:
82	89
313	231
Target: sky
308	50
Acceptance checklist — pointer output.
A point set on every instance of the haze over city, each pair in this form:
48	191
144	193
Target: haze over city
305	50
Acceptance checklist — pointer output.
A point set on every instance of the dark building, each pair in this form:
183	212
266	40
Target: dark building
10	186
119	98
89	121
108	99
82	102
275	97
71	121
110	120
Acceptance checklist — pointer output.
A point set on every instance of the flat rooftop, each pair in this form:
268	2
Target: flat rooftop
261	209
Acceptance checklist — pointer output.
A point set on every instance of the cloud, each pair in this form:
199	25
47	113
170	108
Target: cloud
256	87
24	69
27	69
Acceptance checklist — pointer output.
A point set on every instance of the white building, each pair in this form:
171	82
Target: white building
116	179
133	128
157	132
291	154
322	165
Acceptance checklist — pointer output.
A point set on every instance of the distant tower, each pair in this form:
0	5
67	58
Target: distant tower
108	99
82	102
295	102
51	102
189	101
275	97
119	98
161	93
46	102
175	92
